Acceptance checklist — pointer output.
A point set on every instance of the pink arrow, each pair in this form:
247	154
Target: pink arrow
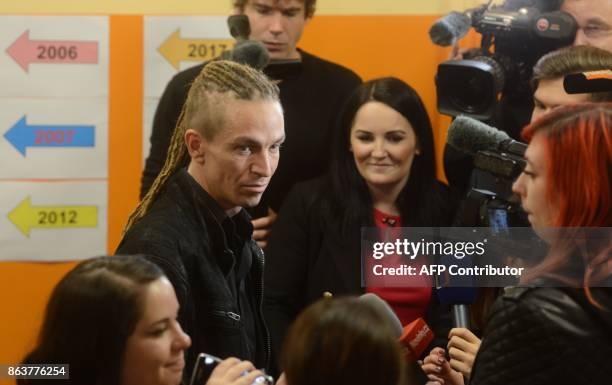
25	51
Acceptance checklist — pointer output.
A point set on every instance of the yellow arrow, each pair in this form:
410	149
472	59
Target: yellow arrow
25	216
175	49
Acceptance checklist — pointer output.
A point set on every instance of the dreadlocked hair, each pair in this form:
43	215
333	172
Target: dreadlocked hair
204	111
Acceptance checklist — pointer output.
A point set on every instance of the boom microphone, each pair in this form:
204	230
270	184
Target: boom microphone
470	135
414	337
450	28
239	27
245	51
249	52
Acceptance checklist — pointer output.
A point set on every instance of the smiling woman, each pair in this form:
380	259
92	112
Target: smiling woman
92	313
113	320
382	174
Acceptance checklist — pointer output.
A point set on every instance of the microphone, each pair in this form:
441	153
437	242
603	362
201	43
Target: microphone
239	27
588	82
249	52
414	337
255	54
471	136
459	298
450	28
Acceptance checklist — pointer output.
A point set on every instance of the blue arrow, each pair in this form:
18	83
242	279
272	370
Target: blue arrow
22	135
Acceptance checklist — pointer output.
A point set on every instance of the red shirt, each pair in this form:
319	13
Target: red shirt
409	303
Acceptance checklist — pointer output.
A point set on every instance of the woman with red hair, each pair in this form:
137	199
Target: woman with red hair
557	328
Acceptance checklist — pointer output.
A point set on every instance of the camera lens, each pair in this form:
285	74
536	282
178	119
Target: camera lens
469	87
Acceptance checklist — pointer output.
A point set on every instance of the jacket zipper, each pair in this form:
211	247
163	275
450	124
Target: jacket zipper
259	252
228	314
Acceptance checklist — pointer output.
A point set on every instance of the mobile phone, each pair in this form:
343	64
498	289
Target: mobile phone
206	363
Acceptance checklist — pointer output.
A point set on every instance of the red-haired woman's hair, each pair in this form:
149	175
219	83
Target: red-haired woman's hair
578	150
579	153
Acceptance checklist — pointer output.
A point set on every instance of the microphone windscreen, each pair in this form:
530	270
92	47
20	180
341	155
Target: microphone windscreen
382	307
448	29
470	135
250	52
239	27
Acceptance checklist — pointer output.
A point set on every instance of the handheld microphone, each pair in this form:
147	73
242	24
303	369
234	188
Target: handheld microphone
588	82
470	135
414	337
450	28
459	298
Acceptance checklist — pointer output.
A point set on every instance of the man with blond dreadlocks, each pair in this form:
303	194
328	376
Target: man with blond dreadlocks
192	222
311	100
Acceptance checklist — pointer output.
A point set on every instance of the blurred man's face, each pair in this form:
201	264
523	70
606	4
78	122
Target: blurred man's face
278	24
594	19
551	94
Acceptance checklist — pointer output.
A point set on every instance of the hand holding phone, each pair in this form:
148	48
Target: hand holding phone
211	370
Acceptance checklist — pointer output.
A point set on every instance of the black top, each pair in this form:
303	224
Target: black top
215	267
547	335
308	255
311	103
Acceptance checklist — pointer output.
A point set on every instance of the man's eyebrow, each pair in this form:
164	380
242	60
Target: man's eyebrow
245	140
597	20
261	5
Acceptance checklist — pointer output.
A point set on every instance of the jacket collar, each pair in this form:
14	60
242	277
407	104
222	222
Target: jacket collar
210	216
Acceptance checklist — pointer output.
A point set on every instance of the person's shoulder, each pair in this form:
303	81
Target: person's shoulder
157	228
306	193
186	76
329	68
556	307
441	188
310	187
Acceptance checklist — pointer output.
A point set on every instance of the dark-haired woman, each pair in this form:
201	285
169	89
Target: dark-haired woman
113	321
382	174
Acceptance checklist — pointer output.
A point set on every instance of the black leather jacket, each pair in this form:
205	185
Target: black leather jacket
547	336
181	235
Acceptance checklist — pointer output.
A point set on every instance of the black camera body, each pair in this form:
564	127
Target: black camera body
514	36
493	204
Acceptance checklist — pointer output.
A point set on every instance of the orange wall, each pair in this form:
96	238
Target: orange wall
373	46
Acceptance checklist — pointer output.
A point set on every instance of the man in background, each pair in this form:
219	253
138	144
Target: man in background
594	19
